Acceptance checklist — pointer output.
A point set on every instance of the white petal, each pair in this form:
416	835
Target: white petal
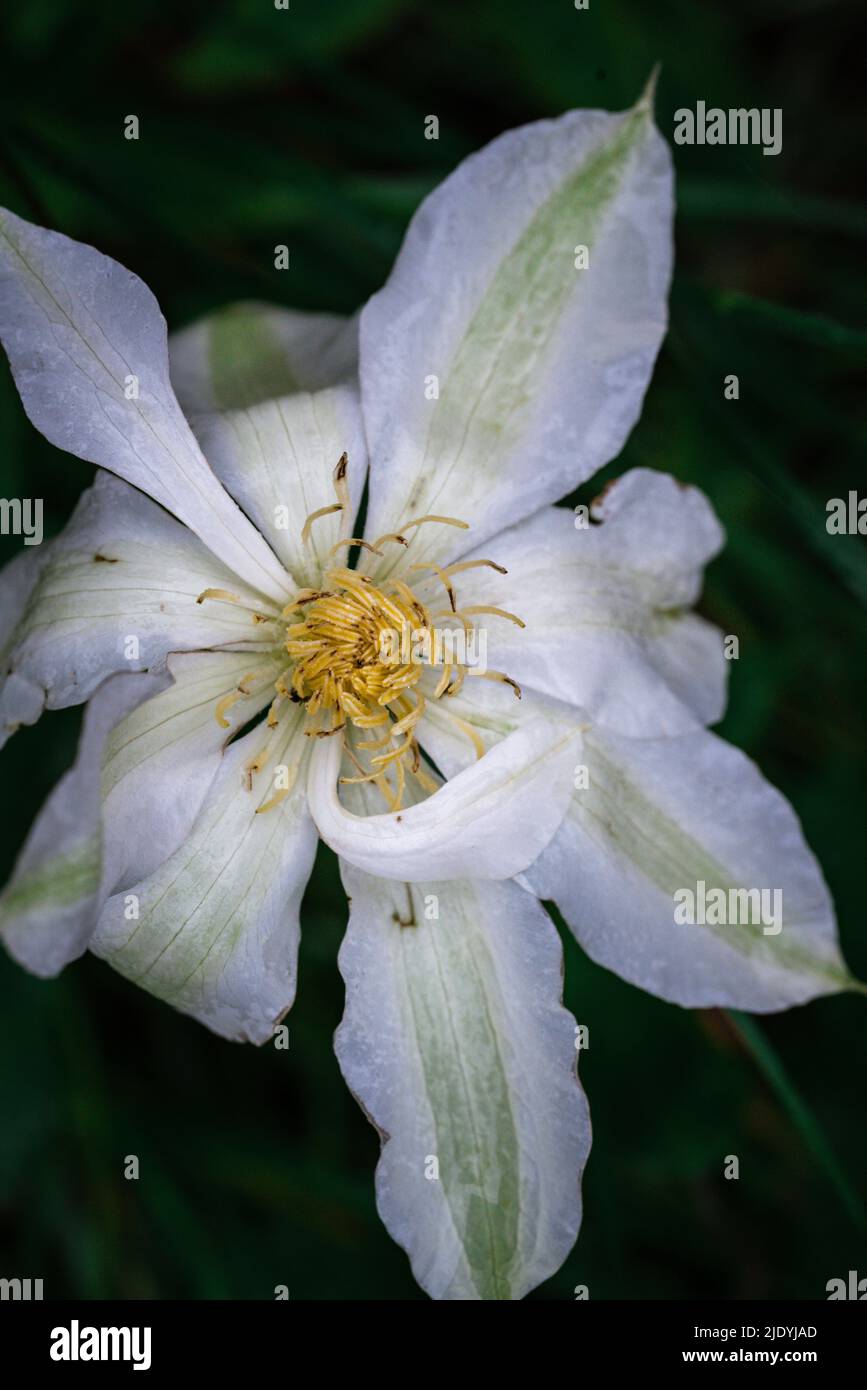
664	815
689	654
246	353
272	397
146	759
217	931
21	702
48	908
278	458
540	367
87	346
456	1044
18	579
606	607
490	821
483	712
122	569
159	762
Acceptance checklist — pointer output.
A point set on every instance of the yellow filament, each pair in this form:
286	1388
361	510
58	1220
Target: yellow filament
391	536
472	734
403	590
226	703
303	596
424	779
410	719
252	767
498	612
314	516
273	801
474	564
350	542
373	745
400	769
370	721
444	681
273	720
441	574
441	520
460	614
222	594
496	676
244	682
383	759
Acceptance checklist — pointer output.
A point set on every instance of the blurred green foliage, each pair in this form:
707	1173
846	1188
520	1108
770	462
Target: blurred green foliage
261	126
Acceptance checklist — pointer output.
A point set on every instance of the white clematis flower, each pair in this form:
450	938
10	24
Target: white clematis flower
201	600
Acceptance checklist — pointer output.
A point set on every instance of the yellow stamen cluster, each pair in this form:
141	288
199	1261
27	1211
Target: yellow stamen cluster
351	660
341	672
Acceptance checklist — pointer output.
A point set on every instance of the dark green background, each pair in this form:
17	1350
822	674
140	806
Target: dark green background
260	127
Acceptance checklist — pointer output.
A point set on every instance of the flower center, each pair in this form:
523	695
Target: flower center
358	649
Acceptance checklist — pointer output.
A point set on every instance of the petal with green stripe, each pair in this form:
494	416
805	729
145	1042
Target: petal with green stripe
498	370
654	828
214	929
455	1042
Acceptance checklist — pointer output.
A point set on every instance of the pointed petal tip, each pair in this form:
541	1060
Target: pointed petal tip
648	96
